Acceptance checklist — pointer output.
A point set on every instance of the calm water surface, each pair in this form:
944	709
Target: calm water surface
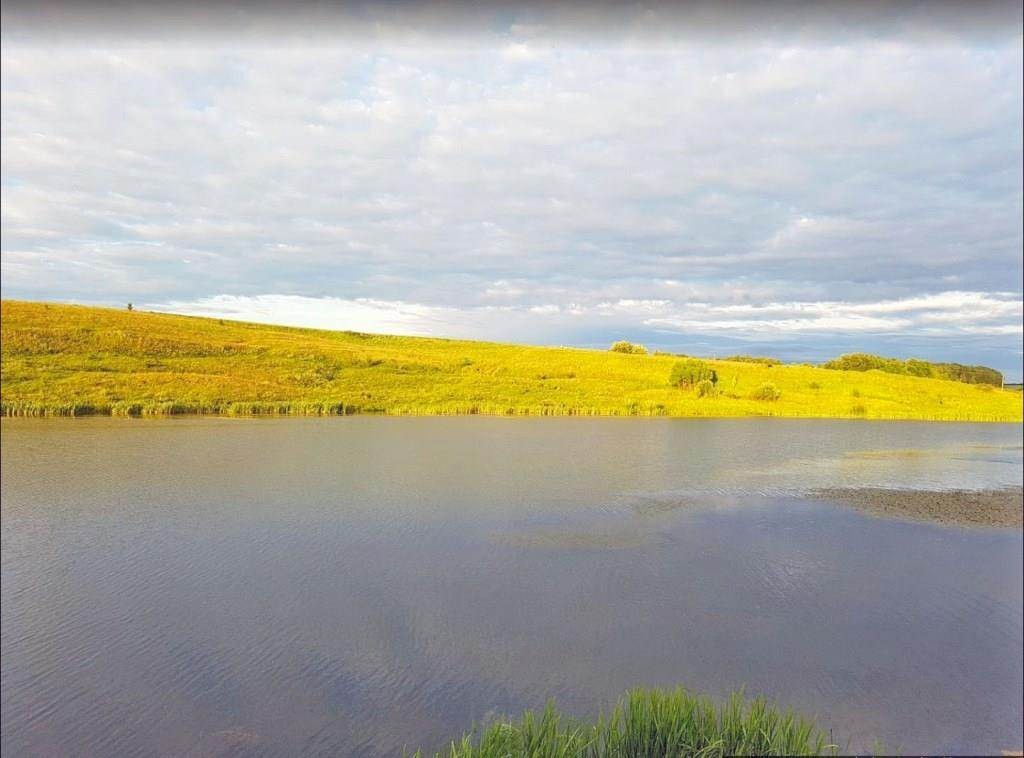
352	586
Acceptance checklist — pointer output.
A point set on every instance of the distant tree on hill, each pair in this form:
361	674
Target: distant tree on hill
915	367
919	368
761	359
129	306
969	374
622	346
690	372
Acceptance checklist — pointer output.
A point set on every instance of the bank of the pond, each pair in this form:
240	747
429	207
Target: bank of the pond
64	360
651	724
1002	507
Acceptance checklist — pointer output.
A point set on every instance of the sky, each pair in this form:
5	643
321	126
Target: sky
799	181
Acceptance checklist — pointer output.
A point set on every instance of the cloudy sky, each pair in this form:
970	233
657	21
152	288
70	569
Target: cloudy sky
710	179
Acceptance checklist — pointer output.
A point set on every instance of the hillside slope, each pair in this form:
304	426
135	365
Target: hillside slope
75	360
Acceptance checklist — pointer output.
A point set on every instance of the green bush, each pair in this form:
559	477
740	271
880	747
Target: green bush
622	346
705	388
766	391
690	372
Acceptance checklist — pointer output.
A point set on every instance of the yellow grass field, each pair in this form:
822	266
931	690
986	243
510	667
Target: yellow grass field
76	360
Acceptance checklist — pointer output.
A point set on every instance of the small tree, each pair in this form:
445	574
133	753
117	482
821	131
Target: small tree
622	346
129	306
689	372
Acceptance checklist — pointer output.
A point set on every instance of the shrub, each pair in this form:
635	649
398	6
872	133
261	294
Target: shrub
690	372
622	346
766	391
814	386
705	388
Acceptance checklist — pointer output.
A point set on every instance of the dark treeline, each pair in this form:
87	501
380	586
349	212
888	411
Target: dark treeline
764	360
915	367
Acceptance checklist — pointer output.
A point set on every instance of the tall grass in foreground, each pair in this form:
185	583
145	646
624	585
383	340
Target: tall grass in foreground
652	724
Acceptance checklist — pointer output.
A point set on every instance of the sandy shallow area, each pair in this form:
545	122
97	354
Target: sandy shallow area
991	508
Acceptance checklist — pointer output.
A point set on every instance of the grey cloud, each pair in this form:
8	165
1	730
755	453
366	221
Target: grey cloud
467	23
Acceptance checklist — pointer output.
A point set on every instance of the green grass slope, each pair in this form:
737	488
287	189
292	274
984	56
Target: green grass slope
75	360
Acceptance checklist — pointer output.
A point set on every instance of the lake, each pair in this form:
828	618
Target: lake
353	586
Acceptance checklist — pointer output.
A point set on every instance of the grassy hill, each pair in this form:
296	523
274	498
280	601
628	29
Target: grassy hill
75	360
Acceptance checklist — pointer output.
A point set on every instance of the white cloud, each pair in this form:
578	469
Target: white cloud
361	315
521	52
734	189
946	314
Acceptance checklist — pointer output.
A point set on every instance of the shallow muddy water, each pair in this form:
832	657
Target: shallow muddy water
353	586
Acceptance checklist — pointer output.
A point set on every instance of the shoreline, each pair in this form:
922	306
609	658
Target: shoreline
320	409
63	413
992	508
